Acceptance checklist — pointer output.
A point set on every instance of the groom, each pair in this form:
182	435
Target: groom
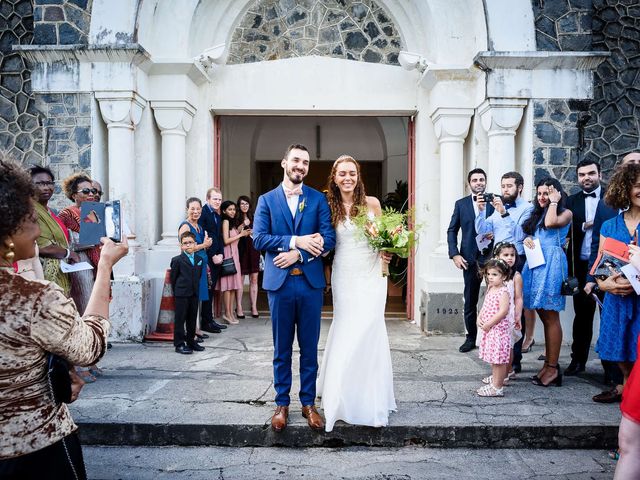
292	224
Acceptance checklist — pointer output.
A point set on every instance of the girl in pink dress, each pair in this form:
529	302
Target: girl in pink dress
507	252
230	285
494	320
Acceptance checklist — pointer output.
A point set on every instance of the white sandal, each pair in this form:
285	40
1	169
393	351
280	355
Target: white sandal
490	391
488	380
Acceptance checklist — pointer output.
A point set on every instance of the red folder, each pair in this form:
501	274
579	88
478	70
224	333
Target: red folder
611	248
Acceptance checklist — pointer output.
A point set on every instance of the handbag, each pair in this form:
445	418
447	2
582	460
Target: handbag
58	379
228	267
570	285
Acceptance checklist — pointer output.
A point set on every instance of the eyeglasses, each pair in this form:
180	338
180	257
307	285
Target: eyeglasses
87	191
98	194
44	184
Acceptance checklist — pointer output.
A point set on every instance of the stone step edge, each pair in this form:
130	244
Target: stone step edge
473	436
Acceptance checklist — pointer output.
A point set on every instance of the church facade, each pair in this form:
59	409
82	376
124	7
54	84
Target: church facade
160	100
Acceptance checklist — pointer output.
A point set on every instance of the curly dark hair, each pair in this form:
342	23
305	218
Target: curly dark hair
70	184
16	191
538	214
338	212
36	169
620	185
498	264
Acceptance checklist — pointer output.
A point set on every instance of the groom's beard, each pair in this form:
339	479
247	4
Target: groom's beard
295	177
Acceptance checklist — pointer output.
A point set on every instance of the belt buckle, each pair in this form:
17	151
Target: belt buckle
295	271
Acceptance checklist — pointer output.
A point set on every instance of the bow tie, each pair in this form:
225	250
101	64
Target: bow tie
291	193
592	194
509	205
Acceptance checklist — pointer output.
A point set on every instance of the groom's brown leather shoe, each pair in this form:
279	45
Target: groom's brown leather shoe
313	417
279	419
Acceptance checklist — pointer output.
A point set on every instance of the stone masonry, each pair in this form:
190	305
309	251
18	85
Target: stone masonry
62	22
608	123
20	122
276	29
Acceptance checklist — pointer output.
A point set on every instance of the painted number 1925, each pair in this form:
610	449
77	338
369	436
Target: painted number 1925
447	311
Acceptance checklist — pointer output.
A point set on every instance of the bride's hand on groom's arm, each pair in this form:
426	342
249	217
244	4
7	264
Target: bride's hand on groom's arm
286	259
313	243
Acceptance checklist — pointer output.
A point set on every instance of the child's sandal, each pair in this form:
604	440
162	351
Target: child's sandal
490	391
489	380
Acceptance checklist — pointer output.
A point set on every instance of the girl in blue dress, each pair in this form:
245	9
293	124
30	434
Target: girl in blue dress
194	210
620	316
549	222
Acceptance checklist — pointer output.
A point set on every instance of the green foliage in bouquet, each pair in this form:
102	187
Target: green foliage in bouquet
388	232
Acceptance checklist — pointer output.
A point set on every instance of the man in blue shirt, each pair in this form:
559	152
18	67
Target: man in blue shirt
511	210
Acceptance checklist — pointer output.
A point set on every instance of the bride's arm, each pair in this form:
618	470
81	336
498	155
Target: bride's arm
373	204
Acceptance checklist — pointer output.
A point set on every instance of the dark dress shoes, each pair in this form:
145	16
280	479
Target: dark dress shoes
313	417
196	347
203	336
217	325
185	350
608	396
467	346
280	417
574	368
211	328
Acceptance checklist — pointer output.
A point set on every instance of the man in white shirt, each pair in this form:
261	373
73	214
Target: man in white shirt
583	204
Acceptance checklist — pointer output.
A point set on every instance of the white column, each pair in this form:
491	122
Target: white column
451	127
121	111
501	117
174	118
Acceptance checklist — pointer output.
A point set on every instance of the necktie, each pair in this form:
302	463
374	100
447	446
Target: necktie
592	194
290	193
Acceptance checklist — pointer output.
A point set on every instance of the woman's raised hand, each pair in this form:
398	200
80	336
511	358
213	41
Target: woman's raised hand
111	251
554	195
528	242
207	240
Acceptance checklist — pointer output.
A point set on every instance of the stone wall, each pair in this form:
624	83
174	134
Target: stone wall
67	129
20	121
611	127
62	22
614	128
563	24
351	29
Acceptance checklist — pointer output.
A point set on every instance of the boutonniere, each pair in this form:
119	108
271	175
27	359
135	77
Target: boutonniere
301	206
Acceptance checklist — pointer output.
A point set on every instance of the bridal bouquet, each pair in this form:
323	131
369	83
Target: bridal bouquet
390	232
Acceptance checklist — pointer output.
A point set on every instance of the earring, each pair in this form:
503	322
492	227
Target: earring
9	255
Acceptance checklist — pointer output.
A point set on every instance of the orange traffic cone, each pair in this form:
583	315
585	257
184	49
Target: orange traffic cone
167	314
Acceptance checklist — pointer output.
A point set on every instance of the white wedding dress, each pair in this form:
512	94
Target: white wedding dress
356	377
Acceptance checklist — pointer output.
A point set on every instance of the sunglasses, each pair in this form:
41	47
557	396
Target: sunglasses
88	191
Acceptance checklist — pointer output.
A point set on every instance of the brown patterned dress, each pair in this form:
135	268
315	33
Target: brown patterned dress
37	318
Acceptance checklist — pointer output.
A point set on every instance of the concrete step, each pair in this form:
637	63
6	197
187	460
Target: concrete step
151	396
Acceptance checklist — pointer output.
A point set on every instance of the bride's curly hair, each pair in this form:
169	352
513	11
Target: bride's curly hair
338	213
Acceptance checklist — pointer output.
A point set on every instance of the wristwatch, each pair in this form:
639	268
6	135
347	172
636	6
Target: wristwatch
505	214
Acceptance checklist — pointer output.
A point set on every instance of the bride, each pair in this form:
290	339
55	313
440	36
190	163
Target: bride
356	378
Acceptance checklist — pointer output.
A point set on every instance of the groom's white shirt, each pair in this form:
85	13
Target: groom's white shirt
293	204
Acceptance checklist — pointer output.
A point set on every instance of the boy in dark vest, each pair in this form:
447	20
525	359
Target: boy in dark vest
186	269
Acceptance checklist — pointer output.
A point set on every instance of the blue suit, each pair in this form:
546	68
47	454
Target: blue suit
295	302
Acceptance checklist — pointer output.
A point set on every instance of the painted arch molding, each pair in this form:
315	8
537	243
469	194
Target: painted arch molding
442	31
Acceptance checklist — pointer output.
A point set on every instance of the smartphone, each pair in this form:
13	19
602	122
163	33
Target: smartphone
113	221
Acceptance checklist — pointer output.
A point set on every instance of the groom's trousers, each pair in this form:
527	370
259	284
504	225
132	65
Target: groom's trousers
295	310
